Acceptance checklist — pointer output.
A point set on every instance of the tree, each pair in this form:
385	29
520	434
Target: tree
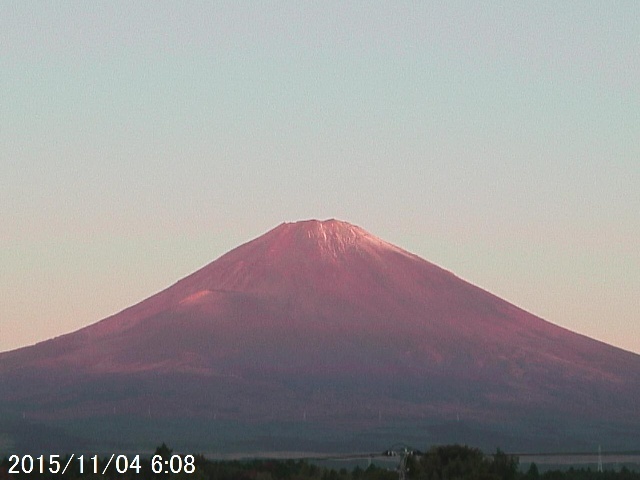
456	462
532	472
504	466
164	452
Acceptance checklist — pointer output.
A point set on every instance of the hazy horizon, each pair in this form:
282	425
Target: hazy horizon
141	141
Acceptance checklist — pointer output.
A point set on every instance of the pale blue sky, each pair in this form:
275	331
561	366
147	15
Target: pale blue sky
140	140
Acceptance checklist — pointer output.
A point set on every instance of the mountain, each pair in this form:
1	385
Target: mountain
318	336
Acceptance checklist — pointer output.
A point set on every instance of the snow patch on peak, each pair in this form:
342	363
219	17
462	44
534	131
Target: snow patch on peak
334	237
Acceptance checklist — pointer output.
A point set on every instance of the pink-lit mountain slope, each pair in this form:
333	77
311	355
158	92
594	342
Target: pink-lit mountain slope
319	335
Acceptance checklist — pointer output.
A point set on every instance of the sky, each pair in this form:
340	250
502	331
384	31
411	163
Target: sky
141	140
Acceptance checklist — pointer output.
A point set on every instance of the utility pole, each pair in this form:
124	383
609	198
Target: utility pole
600	458
404	452
402	469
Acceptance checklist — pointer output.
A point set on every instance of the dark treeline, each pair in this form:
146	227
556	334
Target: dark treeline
450	462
